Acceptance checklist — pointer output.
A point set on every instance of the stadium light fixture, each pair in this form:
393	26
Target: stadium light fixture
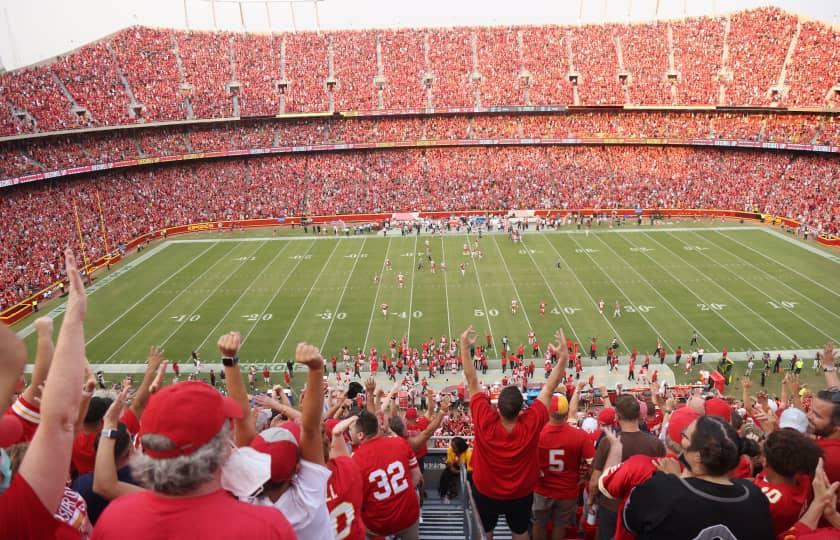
266	3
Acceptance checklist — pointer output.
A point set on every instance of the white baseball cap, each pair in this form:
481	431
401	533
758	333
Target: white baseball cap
795	419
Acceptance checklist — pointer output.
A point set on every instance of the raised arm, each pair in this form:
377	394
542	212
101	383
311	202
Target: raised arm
421	439
370	395
43	359
745	395
245	428
311	440
562	360
47	460
153	363
87	394
286	410
468	338
12	362
338	446
830	371
106	483
573	404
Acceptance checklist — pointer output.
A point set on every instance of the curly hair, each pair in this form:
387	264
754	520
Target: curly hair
789	452
717	443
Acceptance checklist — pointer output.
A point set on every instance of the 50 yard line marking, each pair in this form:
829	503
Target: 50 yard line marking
147	323
411	293
311	288
376	294
484	302
276	292
242	294
515	290
341	297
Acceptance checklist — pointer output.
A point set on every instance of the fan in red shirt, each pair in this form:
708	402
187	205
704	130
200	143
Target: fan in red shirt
389	475
562	449
344	487
505	466
824	416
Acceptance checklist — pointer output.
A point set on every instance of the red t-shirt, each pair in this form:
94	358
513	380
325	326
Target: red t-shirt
29	416
617	482
148	516
390	502
787	502
84	455
23	515
344	498
504	463
562	449
831	457
415	428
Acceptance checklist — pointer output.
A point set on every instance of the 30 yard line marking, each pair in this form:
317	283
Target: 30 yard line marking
341	297
300	310
484	302
656	331
411	292
137	303
591	299
693	326
276	292
760	290
376	294
800	293
209	296
734	297
656	290
515	290
445	288
147	323
242	294
551	290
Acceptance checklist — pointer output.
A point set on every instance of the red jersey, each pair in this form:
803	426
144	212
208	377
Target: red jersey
29	416
787	502
415	428
504	463
562	449
831	457
617	482
23	515
84	455
344	498
389	503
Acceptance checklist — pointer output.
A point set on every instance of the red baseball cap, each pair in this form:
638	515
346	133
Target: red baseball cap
411	413
190	414
607	416
11	430
680	419
720	408
282	443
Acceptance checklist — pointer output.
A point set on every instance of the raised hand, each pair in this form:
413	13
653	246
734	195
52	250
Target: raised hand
370	385
155	357
468	337
344	425
229	344
112	415
77	300
827	356
44	326
309	355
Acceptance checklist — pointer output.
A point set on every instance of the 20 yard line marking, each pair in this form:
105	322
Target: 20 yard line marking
137	303
242	294
484	302
376	294
515	290
300	310
276	292
147	323
341	297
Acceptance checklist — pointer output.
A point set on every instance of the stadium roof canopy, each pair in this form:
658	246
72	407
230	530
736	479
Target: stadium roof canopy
36	30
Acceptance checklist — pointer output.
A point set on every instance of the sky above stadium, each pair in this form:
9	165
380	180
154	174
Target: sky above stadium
34	30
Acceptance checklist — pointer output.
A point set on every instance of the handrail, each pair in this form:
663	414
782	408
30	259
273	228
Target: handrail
474	527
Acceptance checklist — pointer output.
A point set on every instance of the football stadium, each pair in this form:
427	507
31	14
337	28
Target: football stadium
351	270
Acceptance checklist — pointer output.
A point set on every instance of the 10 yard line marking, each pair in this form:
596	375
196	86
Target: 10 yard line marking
242	294
411	293
147	323
484	302
515	290
376	294
341	297
751	310
137	303
445	287
276	292
300	310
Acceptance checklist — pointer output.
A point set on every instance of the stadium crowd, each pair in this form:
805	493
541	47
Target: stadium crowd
136	202
173	459
145	74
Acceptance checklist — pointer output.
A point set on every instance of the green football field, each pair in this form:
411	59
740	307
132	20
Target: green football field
740	287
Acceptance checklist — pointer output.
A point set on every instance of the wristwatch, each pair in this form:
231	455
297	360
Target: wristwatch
110	433
829	369
230	361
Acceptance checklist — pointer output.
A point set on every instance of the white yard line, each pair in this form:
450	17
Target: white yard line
748	308
300	309
777	300
445	288
484	302
551	290
276	292
411	292
376	295
656	290
341	296
580	283
807	247
171	301
242	295
790	267
656	331
515	290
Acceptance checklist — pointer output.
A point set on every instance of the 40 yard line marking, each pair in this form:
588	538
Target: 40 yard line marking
276	292
411	293
137	303
147	323
300	310
376	294
515	290
341	297
241	295
484	303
